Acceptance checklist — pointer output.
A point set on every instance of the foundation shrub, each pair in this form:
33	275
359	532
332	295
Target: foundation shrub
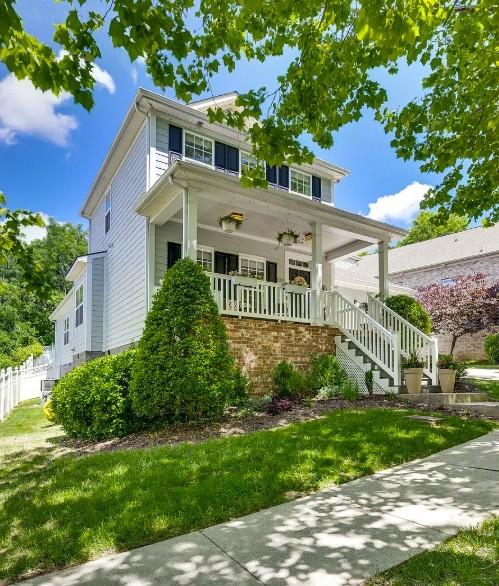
289	383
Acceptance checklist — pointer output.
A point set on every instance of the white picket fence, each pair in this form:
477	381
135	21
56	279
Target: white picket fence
22	383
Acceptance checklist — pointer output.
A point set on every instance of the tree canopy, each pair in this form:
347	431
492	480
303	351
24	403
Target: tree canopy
335	50
428	225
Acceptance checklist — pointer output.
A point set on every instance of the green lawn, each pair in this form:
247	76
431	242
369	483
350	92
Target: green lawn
491	387
470	558
58	510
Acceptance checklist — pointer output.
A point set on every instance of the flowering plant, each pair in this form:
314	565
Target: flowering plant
299	280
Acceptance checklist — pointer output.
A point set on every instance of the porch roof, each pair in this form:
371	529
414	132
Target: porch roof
263	209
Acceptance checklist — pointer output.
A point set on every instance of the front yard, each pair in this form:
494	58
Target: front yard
59	509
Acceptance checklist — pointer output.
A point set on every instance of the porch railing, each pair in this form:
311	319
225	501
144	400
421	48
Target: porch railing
381	345
411	338
242	296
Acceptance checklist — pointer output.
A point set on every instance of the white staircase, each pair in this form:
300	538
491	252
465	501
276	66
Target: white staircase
376	341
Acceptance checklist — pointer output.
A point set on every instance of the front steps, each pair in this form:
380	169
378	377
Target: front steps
356	363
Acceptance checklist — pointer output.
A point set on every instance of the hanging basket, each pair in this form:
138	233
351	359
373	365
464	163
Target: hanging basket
229	226
287	238
231	222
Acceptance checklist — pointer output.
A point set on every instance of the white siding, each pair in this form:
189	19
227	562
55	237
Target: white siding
172	232
125	243
161	164
326	190
63	353
97	303
79	333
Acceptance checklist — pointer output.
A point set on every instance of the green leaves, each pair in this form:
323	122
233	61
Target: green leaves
336	49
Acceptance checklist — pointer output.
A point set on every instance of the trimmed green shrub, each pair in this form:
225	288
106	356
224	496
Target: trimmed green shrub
491	346
93	402
288	382
411	310
326	371
184	370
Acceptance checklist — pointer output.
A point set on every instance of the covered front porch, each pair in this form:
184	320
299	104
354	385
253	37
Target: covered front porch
251	273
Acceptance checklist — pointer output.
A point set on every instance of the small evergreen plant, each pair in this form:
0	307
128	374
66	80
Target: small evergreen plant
184	370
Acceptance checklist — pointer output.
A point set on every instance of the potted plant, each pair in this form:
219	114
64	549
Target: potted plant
447	369
297	285
245	279
413	372
288	237
230	223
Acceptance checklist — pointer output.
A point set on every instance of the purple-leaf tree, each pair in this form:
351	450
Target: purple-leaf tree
468	305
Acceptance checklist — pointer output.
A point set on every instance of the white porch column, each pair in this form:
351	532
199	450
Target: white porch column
316	273
383	269
189	225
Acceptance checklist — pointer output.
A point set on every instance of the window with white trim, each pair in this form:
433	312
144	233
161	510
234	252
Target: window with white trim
248	162
301	183
205	258
66	330
252	266
107	220
79	306
197	148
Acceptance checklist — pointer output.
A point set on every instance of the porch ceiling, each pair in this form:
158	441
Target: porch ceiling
266	212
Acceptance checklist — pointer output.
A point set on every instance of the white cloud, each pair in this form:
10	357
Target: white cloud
103	78
402	206
31	233
135	70
25	109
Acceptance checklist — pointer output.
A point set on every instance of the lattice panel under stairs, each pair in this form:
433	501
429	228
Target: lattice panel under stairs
355	372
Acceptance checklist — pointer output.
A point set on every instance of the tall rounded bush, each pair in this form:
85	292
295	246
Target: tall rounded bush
411	310
491	347
93	401
184	370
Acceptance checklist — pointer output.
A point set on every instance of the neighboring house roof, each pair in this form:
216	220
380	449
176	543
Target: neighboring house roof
453	248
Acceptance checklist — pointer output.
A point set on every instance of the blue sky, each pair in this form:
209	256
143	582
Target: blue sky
50	150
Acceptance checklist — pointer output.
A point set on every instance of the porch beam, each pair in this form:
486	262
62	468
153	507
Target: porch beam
346	249
316	273
383	269
165	213
189	224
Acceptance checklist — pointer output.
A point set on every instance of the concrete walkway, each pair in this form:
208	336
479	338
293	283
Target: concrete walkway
485	373
341	535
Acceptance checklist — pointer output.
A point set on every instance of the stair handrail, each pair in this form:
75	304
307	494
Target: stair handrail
431	342
382	347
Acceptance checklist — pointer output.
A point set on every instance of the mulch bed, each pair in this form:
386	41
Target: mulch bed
233	425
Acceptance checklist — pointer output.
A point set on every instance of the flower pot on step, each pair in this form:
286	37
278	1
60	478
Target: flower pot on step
413	380
447	379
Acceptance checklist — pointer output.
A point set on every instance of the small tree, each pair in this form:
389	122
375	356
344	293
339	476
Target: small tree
183	369
467	306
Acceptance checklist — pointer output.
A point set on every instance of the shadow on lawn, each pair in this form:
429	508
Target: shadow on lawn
71	509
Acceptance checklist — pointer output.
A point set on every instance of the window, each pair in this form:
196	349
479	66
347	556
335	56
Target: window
299	263
79	306
107	220
301	183
205	258
198	148
252	266
66	330
248	162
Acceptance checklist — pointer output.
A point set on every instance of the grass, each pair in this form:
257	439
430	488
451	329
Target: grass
56	511
469	558
491	387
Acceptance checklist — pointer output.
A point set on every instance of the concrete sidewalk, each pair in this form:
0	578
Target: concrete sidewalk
342	535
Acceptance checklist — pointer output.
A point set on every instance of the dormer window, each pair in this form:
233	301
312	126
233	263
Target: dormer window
107	220
301	183
197	148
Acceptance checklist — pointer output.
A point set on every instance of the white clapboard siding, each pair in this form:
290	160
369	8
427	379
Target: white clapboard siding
97	303
125	281
78	343
161	164
63	352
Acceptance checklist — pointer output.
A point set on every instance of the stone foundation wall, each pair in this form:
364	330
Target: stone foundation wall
259	344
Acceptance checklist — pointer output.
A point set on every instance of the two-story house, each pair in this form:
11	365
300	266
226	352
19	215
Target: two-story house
168	177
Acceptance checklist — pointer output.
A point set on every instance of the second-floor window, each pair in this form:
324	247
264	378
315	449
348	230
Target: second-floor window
79	306
248	162
301	183
107	220
66	330
252	266
199	149
205	258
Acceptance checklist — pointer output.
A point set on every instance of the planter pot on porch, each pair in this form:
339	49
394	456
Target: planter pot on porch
229	226
413	380
447	379
295	289
246	281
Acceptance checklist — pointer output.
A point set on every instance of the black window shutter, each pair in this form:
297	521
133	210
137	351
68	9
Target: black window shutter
316	187
271	272
174	253
232	159
175	139
284	176
220	155
219	263
233	263
271	173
